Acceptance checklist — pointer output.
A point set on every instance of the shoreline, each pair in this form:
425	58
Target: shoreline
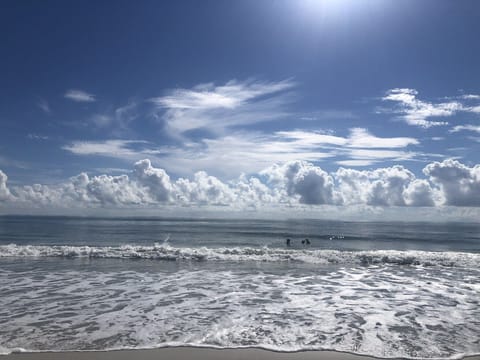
197	353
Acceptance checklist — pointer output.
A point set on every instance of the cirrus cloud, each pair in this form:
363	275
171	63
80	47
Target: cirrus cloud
79	96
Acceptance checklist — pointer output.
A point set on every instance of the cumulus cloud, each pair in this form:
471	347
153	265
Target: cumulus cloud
79	96
4	192
156	181
420	193
388	186
205	189
302	180
292	183
392	186
459	183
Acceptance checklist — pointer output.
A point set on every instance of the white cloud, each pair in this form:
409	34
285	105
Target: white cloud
215	108
302	180
358	138
420	193
393	186
121	149
290	184
361	147
249	152
79	96
355	163
375	155
361	138
209	129
310	139
471	97
204	190
474	109
230	96
459	183
458	128
417	112
156	181
4	191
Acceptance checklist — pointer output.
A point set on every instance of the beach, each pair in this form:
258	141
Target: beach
188	353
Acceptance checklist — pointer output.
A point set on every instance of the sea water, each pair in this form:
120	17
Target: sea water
385	289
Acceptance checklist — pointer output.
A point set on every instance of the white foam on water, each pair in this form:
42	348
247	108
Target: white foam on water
381	310
166	252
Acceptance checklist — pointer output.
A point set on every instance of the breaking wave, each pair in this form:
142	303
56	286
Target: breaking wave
309	256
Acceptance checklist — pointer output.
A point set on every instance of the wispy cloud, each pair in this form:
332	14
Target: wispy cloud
471	97
43	105
474	109
216	108
361	138
366	157
123	149
231	95
250	151
361	148
468	127
417	112
116	122
327	115
79	96
6	161
217	128
37	137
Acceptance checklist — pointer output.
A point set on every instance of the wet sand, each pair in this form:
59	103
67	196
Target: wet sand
192	353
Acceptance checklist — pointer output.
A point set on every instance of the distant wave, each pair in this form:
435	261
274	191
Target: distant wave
167	252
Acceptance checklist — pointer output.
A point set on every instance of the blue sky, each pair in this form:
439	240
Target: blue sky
231	89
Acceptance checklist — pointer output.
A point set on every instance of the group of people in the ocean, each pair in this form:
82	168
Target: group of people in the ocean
305	242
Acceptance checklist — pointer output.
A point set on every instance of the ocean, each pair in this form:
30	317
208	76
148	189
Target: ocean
394	289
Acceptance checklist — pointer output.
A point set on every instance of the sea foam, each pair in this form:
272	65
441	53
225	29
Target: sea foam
386	311
311	256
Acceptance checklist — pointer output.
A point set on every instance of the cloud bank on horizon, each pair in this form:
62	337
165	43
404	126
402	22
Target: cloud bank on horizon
293	183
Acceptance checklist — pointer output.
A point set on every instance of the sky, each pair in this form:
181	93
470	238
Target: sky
363	107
